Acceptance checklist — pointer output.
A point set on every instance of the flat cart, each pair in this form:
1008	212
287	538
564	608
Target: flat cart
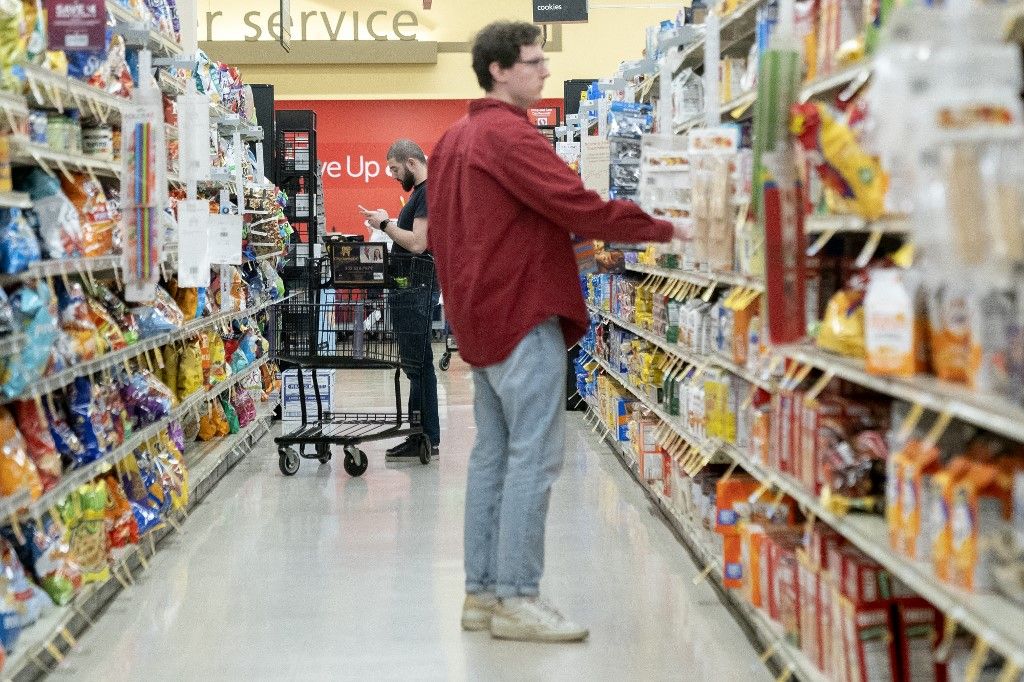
363	309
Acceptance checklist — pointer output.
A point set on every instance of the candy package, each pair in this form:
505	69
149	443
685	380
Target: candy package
94	215
39	442
18	245
17	470
60	231
119	522
83	512
190	369
147	399
77	323
159	317
92	426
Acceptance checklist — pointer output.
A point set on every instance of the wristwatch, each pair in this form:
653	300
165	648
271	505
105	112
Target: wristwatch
384	224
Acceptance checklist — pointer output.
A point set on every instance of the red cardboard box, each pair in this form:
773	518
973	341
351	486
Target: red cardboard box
864	581
918	625
869	642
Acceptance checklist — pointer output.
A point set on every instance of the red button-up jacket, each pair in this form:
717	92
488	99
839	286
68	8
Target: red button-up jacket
502	207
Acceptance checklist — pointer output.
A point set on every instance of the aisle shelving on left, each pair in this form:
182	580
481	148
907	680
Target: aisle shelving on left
118	415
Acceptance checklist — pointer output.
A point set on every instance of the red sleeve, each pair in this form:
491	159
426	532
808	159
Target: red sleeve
535	175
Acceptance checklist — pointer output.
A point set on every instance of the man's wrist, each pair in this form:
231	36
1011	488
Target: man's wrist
384	224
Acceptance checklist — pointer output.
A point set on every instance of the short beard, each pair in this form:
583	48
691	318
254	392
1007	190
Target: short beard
408	181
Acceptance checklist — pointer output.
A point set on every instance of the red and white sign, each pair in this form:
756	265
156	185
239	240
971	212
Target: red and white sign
545	116
353	137
76	25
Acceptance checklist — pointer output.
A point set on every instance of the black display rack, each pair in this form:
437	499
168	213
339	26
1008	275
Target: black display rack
296	170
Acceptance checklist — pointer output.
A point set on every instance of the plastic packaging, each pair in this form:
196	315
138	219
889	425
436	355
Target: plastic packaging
147	399
17	471
119	522
87	421
83	512
118	311
56	218
39	443
234	424
94	214
18	245
190	369
29	599
77	322
244	406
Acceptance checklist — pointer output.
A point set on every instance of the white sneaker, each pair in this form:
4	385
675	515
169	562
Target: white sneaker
534	620
477	611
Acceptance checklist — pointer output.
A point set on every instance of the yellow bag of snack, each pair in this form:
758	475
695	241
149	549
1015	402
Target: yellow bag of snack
190	370
219	369
188	300
173	463
170	372
842	330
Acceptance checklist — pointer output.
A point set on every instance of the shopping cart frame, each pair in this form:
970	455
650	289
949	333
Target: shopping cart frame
313	339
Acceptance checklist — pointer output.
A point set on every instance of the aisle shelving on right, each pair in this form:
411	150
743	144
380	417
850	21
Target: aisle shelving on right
828	373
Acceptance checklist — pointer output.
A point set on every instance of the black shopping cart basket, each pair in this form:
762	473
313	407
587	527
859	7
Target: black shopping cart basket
364	308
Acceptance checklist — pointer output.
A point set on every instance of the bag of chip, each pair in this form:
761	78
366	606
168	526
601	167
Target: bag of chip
147	399
54	568
160	316
107	327
39	442
170	372
91	425
83	512
207	426
190	427
119	522
76	321
190	369
19	247
30	599
56	218
115	414
33	316
230	415
93	214
219	370
172	463
64	439
244	406
188	300
176	433
118	311
136	477
17	471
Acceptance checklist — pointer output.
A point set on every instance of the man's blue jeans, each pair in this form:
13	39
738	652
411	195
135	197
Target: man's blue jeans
520	444
412	314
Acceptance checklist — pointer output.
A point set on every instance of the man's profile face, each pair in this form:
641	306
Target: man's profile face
401	173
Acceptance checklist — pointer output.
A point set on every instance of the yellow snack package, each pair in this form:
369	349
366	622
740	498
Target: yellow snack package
170	372
218	358
842	330
190	370
17	470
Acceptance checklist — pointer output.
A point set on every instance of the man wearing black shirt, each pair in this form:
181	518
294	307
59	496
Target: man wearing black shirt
408	165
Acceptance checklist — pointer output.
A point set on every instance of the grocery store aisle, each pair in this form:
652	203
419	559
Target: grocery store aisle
322	576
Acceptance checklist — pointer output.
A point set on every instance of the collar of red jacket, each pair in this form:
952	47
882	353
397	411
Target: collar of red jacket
487	103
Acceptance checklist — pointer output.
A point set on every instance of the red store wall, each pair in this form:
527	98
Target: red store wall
353	137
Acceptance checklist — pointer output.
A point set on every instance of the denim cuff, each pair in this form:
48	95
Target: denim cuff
478	588
513	591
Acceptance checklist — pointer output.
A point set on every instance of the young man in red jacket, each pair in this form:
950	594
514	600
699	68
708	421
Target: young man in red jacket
502	208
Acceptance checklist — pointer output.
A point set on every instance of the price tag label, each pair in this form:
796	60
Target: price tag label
193	243
226	239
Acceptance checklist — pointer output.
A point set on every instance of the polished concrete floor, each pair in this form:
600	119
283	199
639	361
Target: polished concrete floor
326	577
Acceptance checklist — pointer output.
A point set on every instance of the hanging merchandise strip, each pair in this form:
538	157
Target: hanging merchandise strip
694	359
992	618
52	90
702	279
118	358
770	634
44	644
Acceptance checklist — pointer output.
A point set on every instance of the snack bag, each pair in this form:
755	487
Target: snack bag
110	333
64	438
83	513
244	406
230	415
207	426
30	599
39	443
88	421
17	471
119	521
34	316
18	245
188	301
159	317
147	399
136	477
219	369
54	218
125	320
170	371
54	567
842	330
172	465
190	427
204	355
190	369
76	322
94	215
111	403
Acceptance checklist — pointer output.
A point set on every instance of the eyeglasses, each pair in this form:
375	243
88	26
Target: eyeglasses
539	61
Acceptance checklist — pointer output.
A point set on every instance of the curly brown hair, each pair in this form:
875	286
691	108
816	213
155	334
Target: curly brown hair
500	42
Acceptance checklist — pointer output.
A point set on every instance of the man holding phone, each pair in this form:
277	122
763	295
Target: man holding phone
408	166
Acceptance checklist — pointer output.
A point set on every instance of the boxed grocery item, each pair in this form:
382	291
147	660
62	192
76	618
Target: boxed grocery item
945	483
982	505
811	621
731	498
291	405
918	625
863	580
732	572
867	638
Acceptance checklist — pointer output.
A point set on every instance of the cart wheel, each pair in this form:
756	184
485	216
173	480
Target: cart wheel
323	452
424	449
355	462
445	362
288	460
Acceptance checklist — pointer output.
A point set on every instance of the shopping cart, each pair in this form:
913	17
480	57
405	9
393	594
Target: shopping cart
364	308
450	346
